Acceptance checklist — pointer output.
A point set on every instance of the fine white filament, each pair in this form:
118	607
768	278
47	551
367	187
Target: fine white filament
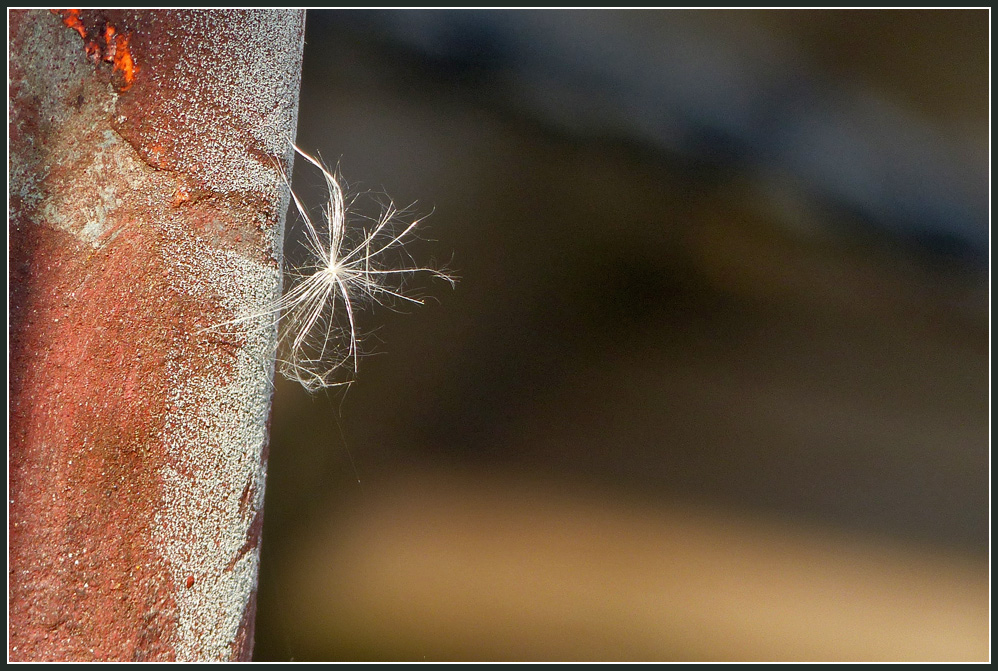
347	266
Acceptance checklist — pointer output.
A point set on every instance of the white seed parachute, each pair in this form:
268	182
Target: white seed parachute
348	264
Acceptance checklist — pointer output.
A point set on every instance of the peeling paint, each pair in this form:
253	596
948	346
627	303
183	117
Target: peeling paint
137	441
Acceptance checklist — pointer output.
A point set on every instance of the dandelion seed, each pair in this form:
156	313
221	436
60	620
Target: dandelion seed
347	266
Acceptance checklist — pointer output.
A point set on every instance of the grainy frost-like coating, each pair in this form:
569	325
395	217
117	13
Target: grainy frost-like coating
217	428
246	54
206	540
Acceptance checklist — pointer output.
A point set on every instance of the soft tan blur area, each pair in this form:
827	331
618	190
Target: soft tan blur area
667	414
463	566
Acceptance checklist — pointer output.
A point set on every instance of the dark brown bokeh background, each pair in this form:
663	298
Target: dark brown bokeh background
687	401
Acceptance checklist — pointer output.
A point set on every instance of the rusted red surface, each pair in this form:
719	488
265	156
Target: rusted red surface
135	498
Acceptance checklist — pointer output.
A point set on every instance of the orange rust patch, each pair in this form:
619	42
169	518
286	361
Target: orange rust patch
109	40
181	196
71	17
104	43
156	153
122	58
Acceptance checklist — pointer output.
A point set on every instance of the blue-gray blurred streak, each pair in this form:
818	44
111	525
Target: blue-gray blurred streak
739	100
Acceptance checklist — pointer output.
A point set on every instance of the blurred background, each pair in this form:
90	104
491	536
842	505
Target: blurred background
714	381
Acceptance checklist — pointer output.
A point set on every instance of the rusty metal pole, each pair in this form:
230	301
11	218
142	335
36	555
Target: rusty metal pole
146	204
